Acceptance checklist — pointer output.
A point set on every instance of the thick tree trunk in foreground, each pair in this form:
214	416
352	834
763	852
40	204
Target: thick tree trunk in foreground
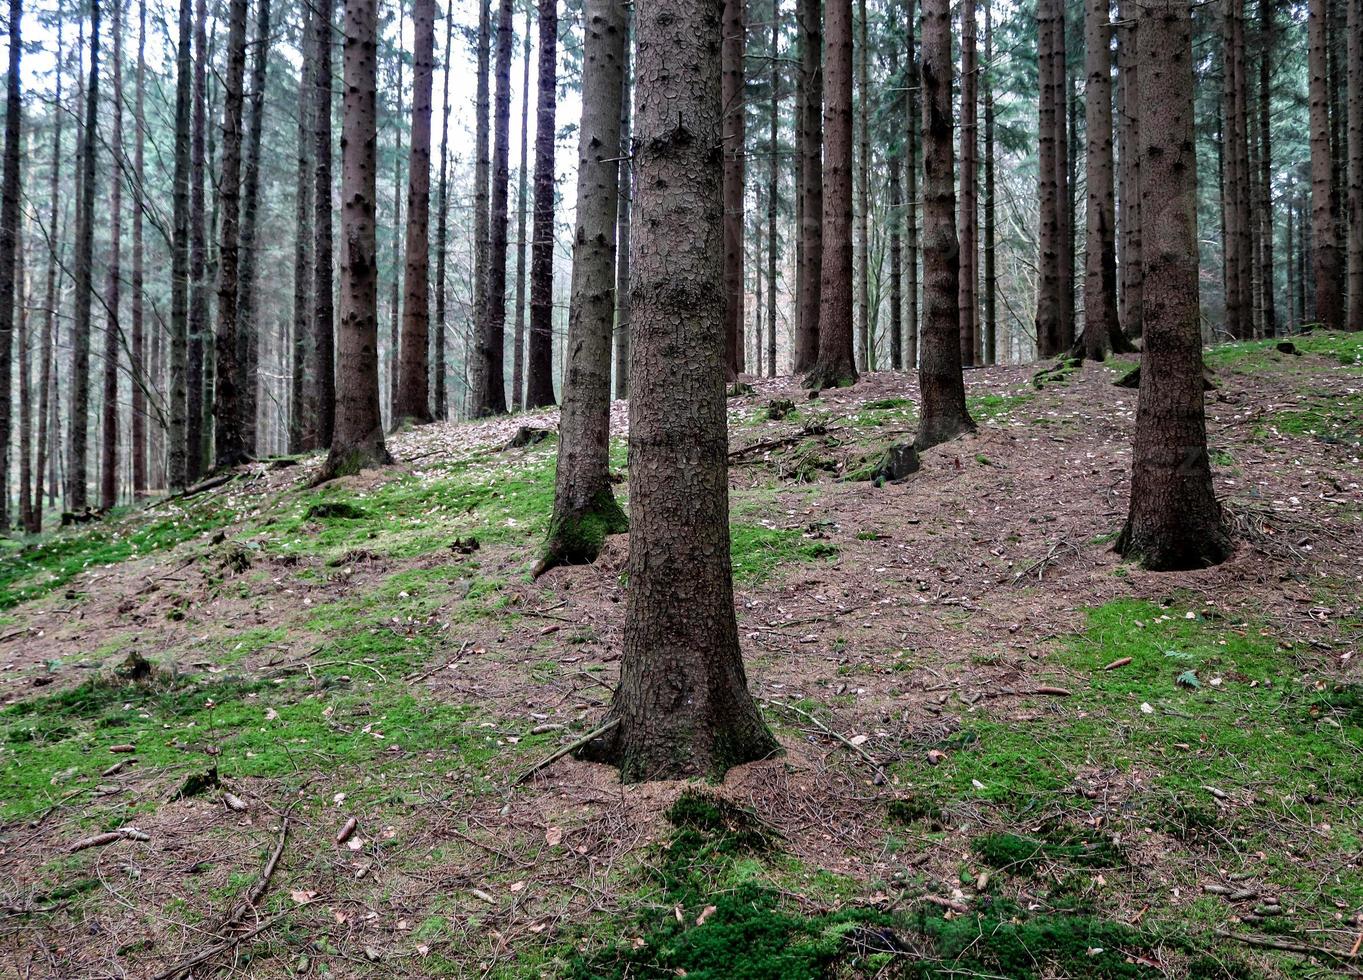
1048	332
196	445
229	424
734	106
1355	212
1328	260
626	197
969	243
682	707
522	213
322	359
412	399
357	442
539	388
108	449
1100	248
940	382
303	395
9	247
585	510
810	26
85	247
1175	520
835	367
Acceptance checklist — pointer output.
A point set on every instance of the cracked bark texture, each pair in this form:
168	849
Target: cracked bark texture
1048	340
940	381
735	105
539	381
1174	520
413	395
809	21
1328	260
229	447
1100	254
682	706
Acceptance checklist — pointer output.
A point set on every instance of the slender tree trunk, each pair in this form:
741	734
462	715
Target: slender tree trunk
442	225
522	212
585	510
865	342
25	386
1100	243
1175	521
990	340
913	101
1328	264
357	441
626	197
9	248
895	166
682	707
248	335
1128	92
228	401
1290	247
45	385
835	366
1048	327
969	242
735	105
413	395
540	361
810	24
474	362
196	355
108	474
303	405
323	351
1355	220
1236	197
1064	157
84	261
394	305
773	188
178	448
1267	34
138	448
940	382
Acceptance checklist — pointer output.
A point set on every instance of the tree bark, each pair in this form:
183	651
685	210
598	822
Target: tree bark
682	707
196	446
835	366
228	401
24	384
1128	89
522	213
912	100
45	384
940	382
990	331
76	498
773	188
865	342
322	360
540	361
622	228
1267	36
473	359
9	246
303	406
969	242
810	25
1100	243
1064	162
1355	220
357	442
1174	521
178	458
249	332
735	105
1048	327
1235	195
138	340
108	472
413	395
442	226
394	304
585	511
1327	259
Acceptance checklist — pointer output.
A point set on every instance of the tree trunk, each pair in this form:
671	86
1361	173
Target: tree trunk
969	242
9	245
1064	162
394	305
1267	33
1100	242
1355	220
1048	328
622	229
522	212
178	447
85	247
735	105
1328	265
139	368
108	472
540	361
228	401
1175	520
585	510
442	226
940	381
412	400
895	166
473	357
913	101
865	342
45	386
248	335
303	405
835	367
810	26
25	387
773	188
357	442
322	362
682	707
1235	195
990	340
1128	92
196	446
490	396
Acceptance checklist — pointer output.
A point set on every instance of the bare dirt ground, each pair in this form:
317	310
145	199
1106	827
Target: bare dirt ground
921	620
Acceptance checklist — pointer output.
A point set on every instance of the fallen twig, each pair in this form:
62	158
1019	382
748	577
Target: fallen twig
875	766
109	837
570	747
417	679
189	963
1268	942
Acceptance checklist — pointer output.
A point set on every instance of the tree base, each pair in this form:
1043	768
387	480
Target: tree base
935	431
577	538
1178	549
822	376
349	462
709	750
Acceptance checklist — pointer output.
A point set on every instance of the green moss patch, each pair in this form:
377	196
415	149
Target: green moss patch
758	551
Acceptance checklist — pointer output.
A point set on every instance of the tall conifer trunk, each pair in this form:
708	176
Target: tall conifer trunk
303	402
441	407
522	213
969	200
731	96
1327	259
1101	326
108	471
9	247
809	19
540	361
46	361
138	449
77	488
196	445
248	336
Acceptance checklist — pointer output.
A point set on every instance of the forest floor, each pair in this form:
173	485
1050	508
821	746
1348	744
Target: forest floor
1007	752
